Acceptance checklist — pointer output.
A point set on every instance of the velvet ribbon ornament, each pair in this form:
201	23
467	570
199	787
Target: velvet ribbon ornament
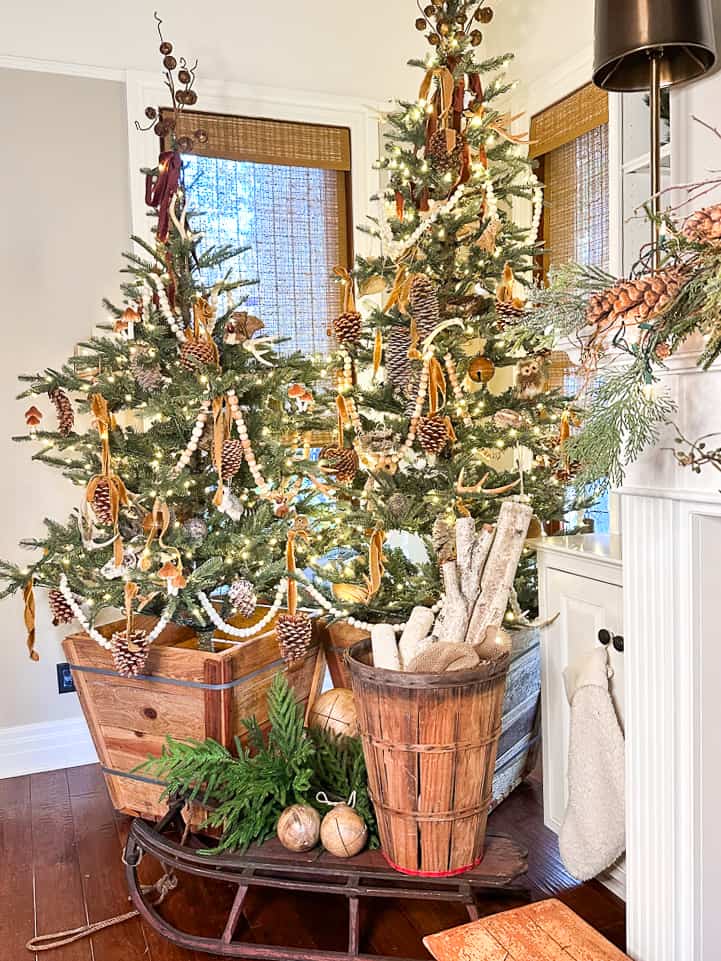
105	423
160	189
29	618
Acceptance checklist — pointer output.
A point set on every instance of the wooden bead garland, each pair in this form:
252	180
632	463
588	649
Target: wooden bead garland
299	828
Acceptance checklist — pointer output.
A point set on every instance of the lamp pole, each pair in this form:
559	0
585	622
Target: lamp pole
655	155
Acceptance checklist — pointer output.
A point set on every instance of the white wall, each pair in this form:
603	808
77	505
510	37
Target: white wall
65	213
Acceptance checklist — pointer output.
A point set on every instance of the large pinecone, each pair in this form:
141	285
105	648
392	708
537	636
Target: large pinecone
640	299
433	434
232	454
397	505
64	409
704	226
62	612
294	633
438	154
347	328
341	462
398	365
242	597
101	503
423	301
197	353
147	374
130	652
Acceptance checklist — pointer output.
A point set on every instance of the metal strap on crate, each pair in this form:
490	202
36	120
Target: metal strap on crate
176	682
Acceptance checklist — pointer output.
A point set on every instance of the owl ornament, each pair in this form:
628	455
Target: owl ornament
530	378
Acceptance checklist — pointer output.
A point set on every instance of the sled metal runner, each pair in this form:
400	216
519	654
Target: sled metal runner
271	866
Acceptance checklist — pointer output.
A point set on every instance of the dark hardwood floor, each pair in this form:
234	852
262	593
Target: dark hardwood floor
61	840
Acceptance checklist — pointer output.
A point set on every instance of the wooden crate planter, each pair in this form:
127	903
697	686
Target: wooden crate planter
183	692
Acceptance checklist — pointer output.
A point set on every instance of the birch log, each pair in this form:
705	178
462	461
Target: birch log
462	580
416	635
385	649
500	570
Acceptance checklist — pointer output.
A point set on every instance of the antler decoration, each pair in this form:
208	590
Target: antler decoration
480	487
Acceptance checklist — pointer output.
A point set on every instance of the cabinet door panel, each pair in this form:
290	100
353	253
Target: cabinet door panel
585	607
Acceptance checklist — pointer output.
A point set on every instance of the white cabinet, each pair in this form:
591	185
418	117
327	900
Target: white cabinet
580	580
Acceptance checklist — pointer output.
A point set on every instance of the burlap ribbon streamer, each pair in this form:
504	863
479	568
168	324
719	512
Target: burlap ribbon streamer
356	593
349	304
159	524
29	618
105	423
295	533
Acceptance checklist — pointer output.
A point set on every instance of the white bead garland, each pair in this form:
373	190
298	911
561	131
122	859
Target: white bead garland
457	389
95	634
164	307
245	442
397	248
197	433
537	210
243	633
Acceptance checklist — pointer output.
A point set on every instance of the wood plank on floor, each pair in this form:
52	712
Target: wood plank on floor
106	894
59	902
16	877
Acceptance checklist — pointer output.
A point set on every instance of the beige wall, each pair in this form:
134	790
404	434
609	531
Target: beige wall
64	207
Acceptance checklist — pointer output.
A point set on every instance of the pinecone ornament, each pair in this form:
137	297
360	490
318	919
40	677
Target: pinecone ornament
61	611
64	410
423	301
509	311
341	462
232	454
440	156
704	226
432	433
397	505
443	539
294	633
130	652
242	597
640	299
195	354
398	365
147	374
101	503
347	328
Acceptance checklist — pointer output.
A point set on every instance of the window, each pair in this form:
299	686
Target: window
282	190
570	142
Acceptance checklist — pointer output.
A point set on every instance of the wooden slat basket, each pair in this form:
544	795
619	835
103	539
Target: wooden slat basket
184	692
430	744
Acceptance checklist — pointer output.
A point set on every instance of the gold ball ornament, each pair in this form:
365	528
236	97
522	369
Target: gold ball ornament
420	23
335	712
481	370
343	833
299	828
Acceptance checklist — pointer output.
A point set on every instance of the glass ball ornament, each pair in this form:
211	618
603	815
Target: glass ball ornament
201	136
484	14
151	113
166	47
476	38
169	62
184	76
420	23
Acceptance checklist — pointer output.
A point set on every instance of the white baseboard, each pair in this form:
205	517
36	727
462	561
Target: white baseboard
48	746
615	878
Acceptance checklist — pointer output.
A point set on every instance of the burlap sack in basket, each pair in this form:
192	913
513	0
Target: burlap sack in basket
443	657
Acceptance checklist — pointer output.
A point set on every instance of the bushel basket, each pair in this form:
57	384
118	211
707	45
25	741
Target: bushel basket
430	744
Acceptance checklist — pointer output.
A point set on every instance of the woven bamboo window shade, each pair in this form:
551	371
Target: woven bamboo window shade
282	189
570	142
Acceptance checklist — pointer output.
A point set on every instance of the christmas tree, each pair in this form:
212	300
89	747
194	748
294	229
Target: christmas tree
191	459
446	400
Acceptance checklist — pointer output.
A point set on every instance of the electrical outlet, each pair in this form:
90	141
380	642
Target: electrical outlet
65	679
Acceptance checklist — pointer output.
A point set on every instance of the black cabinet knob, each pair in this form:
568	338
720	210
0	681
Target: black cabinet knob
619	644
604	637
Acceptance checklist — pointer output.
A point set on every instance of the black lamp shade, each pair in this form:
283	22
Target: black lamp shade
628	30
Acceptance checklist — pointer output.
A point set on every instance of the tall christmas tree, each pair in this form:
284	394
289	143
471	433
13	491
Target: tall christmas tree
189	460
446	400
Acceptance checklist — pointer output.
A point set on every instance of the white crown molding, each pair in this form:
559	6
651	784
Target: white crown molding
47	746
90	71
